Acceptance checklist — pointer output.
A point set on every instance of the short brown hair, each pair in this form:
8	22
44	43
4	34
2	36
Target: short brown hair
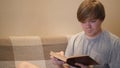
93	9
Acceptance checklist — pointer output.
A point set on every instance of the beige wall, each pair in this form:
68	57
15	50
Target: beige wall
49	17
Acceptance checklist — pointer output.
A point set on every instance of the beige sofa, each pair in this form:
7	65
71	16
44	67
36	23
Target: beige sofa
18	51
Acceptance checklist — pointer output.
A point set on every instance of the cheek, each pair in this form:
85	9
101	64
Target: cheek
96	26
83	26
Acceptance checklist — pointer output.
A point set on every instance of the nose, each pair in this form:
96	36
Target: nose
88	25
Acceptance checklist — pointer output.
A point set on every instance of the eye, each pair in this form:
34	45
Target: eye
93	21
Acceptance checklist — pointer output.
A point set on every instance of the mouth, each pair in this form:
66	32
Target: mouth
89	30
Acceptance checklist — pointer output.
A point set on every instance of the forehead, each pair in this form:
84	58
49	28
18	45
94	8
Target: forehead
90	19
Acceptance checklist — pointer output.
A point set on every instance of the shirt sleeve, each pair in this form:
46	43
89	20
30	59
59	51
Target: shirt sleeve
70	47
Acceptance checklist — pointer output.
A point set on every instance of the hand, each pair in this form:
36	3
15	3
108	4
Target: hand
56	61
81	65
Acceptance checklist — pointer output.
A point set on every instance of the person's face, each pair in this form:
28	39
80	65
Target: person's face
91	27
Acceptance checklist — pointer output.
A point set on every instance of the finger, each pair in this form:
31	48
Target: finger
78	64
81	65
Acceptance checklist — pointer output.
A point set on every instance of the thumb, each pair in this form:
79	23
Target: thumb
62	53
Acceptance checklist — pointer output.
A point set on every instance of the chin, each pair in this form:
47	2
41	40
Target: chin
90	34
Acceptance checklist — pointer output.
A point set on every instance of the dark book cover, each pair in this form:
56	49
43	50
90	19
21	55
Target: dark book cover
85	60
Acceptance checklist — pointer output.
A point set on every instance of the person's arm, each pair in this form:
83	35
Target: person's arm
115	55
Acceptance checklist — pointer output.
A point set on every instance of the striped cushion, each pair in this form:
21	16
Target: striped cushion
33	51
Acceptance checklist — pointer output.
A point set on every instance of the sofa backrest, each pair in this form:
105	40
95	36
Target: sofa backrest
16	50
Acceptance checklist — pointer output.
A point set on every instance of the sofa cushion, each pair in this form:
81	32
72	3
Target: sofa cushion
22	50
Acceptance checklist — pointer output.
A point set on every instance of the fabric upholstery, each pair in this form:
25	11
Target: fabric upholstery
21	51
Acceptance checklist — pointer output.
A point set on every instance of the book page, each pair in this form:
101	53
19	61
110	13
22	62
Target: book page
85	60
61	57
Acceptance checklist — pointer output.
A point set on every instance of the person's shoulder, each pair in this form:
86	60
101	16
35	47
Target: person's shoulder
80	34
112	36
77	35
114	39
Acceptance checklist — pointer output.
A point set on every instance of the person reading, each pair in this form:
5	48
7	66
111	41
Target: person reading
94	41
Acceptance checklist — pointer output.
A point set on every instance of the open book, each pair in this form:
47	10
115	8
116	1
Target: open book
86	60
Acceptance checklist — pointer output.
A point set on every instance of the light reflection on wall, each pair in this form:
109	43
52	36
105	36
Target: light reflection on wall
49	17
